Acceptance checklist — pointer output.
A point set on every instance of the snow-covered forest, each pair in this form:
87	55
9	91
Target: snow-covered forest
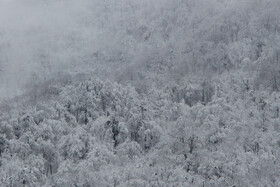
152	93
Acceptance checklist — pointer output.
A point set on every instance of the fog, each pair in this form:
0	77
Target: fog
37	37
119	39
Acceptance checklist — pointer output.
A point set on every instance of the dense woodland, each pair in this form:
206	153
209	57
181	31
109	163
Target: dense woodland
140	93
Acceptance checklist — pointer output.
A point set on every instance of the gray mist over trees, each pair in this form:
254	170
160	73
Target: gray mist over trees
139	93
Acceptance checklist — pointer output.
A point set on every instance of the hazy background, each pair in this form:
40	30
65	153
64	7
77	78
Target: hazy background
143	43
40	38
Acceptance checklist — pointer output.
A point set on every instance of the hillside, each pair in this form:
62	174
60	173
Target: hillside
139	93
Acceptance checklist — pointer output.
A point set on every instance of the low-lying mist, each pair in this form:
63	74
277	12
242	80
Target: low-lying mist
137	42
40	38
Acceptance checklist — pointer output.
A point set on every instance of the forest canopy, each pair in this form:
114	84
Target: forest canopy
139	93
